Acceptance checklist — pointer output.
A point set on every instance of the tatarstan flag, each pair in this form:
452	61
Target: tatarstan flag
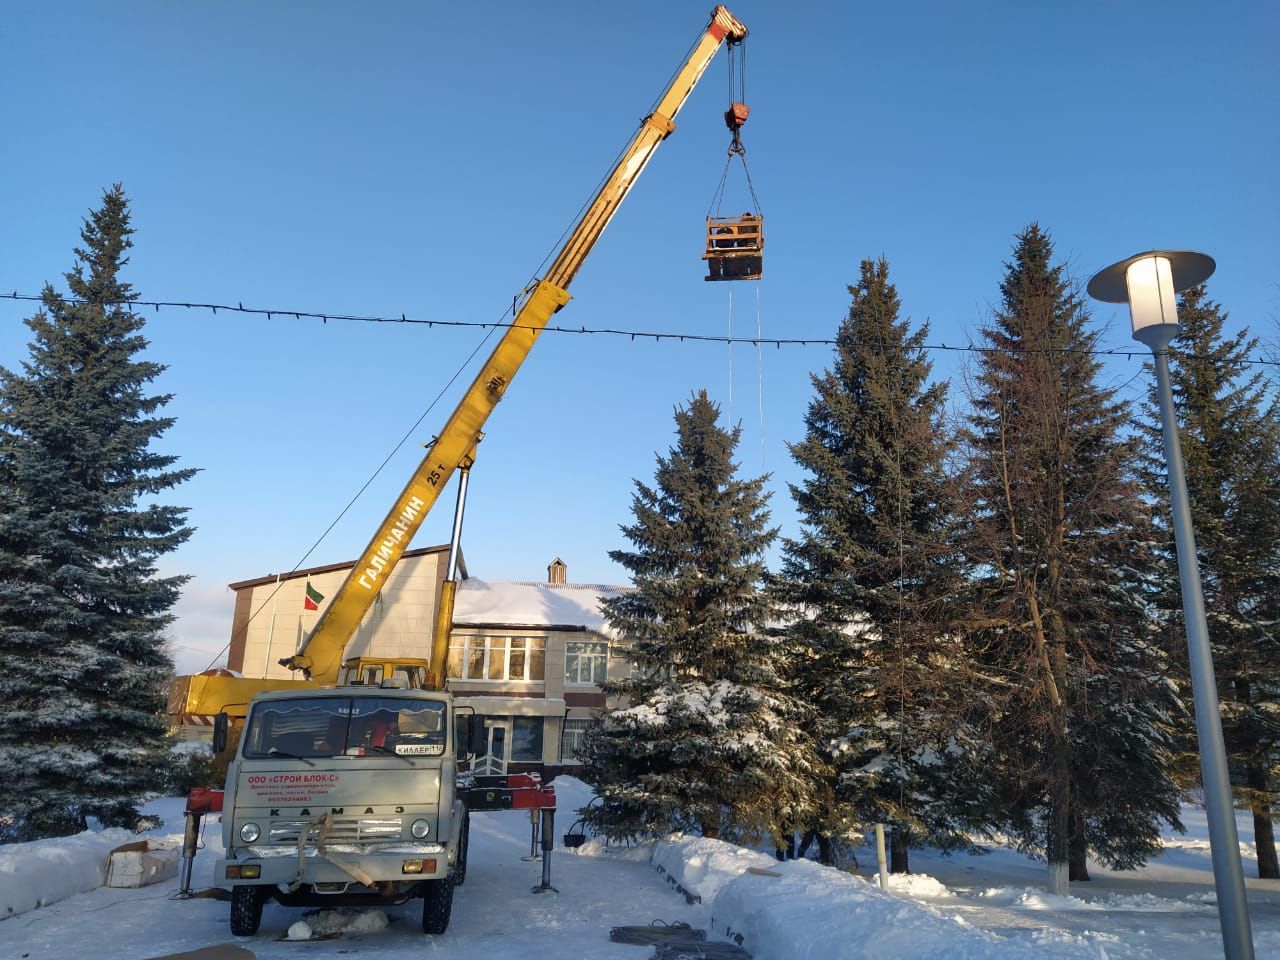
312	600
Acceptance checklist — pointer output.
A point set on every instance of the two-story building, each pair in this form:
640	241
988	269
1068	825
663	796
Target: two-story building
545	648
528	655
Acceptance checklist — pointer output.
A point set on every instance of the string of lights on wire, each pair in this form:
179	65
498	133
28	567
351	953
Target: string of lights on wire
655	335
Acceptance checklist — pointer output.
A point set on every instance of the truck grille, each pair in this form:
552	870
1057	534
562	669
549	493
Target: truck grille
349	830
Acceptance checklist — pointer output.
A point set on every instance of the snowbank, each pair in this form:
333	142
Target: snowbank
1035	898
961	908
917	886
699	867
45	871
798	910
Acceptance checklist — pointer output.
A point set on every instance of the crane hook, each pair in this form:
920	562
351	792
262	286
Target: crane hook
734	118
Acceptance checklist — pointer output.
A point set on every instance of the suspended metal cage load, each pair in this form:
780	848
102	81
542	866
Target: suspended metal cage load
735	247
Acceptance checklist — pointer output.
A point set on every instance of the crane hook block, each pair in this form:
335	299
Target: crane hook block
736	116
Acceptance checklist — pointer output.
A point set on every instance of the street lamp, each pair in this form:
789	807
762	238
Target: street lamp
1149	283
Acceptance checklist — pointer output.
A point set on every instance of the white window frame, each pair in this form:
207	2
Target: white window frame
597	658
470	643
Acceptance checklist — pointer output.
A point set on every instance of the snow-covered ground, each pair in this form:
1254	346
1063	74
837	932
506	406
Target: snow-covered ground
958	908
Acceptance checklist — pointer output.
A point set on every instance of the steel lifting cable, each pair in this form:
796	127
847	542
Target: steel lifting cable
737	95
760	378
737	51
270	598
731	56
514	310
730	345
736	149
759	371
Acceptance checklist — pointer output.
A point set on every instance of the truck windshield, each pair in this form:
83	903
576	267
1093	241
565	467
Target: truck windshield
345	726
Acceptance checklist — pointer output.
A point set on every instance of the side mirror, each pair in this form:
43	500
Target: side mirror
220	724
477	736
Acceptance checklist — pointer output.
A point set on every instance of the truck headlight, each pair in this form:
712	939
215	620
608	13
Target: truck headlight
250	832
420	828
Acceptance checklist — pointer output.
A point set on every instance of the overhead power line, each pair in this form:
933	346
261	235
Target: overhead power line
655	335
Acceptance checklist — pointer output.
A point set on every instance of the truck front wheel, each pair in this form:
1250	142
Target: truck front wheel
246	909
437	904
464	841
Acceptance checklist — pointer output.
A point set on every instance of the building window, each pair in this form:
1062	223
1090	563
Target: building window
497	658
526	739
574	738
586	661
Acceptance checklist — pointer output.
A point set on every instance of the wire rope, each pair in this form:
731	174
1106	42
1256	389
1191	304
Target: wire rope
514	310
717	198
737	94
730	349
760	379
358	494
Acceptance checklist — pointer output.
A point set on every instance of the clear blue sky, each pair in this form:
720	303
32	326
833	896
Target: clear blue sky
424	157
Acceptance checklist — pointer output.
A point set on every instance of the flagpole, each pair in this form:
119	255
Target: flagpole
271	630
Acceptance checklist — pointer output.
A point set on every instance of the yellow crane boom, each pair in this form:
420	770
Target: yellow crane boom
321	653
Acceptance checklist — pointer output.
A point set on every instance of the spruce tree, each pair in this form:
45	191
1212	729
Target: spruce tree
1230	433
1083	717
870	578
82	612
706	736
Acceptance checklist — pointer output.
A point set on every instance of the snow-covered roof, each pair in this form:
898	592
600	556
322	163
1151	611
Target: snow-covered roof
534	604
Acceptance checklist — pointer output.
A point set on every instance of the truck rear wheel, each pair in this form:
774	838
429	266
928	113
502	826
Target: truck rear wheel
246	909
437	904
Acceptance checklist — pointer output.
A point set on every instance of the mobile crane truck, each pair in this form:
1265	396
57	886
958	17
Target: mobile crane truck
350	794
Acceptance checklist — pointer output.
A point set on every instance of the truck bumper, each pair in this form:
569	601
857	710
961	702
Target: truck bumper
402	864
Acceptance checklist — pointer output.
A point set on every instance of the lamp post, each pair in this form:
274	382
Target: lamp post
1149	283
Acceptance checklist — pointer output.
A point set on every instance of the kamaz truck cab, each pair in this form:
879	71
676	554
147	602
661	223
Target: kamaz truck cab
345	796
